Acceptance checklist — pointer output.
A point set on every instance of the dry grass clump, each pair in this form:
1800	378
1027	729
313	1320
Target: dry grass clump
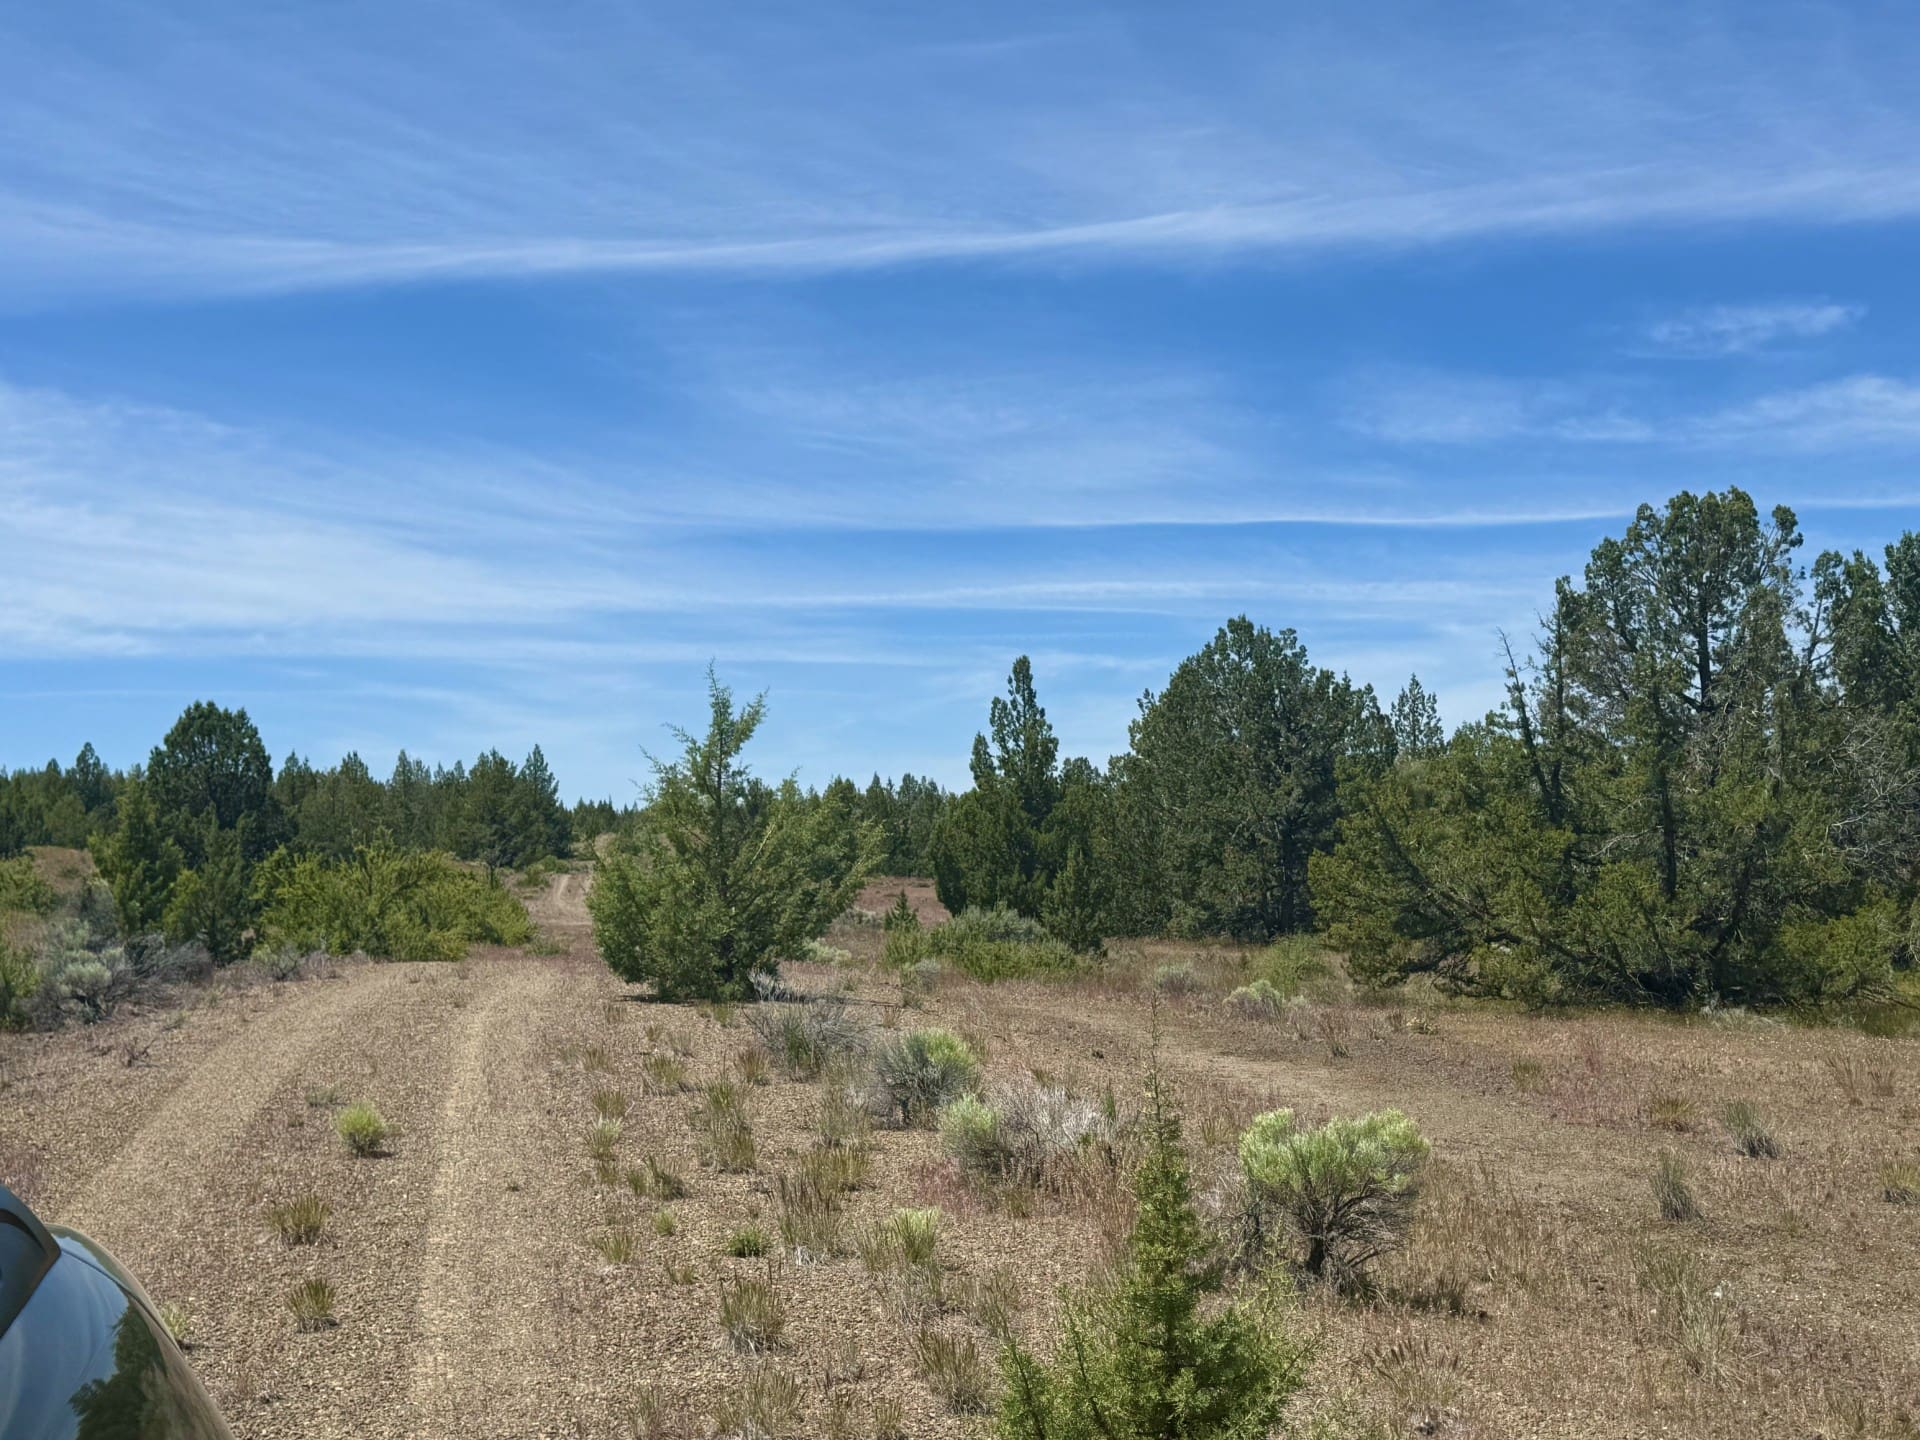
724	1132
1751	1136
750	1064
1689	1307
921	1072
806	1038
1422	1380
1671	1190
299	1221
990	1300
844	1119
664	1223
1900	1183
362	1128
177	1321
1674	1113
765	1407
311	1302
903	1253
1858	1080
603	1139
610	1104
752	1314
954	1369
618	1246
655	1417
1529	1076
662	1074
811	1209
654	1181
595	1059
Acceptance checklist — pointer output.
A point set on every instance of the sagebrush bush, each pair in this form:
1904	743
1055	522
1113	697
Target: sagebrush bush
921	1071
1175	980
1345	1191
1025	1132
1258	1000
806	1038
386	902
1751	1135
362	1128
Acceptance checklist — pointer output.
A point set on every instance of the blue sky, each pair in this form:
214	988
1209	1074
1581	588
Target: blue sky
450	375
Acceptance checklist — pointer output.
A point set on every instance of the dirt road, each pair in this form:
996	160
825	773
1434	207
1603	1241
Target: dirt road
475	1299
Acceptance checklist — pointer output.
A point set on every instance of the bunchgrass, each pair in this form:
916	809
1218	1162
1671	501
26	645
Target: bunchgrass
311	1302
361	1127
300	1221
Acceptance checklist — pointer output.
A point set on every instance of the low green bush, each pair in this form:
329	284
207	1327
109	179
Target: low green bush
922	1071
1345	1191
362	1128
986	945
19	983
22	889
385	902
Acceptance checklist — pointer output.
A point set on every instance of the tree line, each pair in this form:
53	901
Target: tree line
182	840
1704	785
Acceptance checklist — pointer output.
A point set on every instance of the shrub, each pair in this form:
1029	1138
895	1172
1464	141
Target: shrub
726	1136
1291	964
806	1038
1257	1001
697	908
388	903
1345	1190
93	986
1671	1192
22	889
362	1128
312	1304
901	915
1140	1359
1026	1133
1900	1183
749	1242
921	1071
987	945
1751	1137
753	1315
300	1221
1175	980
177	1321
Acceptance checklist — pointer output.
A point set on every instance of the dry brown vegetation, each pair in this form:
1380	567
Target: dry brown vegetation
591	1219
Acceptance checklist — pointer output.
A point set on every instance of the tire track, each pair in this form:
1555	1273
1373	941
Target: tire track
173	1155
482	1321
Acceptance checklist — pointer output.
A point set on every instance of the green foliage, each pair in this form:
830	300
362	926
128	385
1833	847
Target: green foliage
362	1127
214	905
22	889
724	876
139	862
901	915
1237	763
210	775
1345	1190
988	945
19	983
388	903
1141	1361
923	1070
1702	788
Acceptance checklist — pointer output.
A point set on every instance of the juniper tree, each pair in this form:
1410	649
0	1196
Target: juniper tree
723	875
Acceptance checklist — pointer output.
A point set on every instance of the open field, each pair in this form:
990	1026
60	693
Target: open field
475	1262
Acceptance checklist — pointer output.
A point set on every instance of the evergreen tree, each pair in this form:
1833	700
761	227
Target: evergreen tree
1415	721
543	826
212	766
214	903
1143	1362
724	876
139	862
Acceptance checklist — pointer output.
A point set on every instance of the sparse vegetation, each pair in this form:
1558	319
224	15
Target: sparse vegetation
752	1314
726	1136
749	1242
311	1302
805	1039
618	1246
1751	1135
362	1128
765	1406
1672	1192
301	1220
1900	1182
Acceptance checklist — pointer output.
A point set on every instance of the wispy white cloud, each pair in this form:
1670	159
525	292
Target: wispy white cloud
1716	331
164	147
